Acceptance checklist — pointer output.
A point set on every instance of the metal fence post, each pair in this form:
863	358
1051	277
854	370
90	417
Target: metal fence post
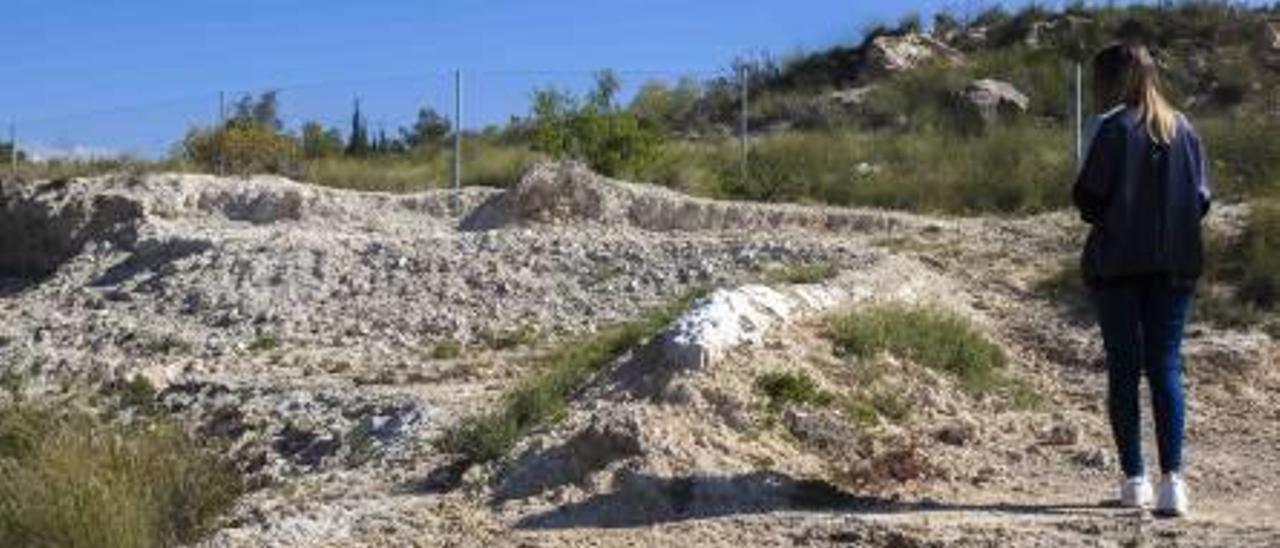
1079	113
13	147
744	124
219	133
457	129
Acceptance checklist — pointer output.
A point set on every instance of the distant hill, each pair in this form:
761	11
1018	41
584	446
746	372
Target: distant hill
1216	57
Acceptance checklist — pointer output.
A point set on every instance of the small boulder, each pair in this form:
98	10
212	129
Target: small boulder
989	99
888	54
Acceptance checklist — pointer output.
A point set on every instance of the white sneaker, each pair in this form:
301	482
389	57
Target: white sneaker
1173	496
1135	492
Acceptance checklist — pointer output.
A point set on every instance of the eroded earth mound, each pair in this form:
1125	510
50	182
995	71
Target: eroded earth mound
332	338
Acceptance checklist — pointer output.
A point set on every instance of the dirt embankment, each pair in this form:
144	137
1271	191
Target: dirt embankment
330	337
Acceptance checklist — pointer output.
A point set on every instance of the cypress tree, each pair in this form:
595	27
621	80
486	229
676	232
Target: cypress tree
358	144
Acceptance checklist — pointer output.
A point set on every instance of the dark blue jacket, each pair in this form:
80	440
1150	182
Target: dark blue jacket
1144	200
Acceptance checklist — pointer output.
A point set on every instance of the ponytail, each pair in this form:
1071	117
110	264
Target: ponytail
1159	116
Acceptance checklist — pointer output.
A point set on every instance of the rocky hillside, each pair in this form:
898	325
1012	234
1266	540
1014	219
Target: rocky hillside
334	341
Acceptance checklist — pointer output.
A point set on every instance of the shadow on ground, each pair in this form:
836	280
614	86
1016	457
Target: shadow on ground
646	500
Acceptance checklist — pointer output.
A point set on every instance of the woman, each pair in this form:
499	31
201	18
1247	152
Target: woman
1144	190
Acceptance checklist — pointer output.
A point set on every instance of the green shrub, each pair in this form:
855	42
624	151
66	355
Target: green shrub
1241	284
805	272
69	480
1261	283
613	141
241	148
525	335
1244	153
137	393
930	336
447	350
868	407
264	343
783	389
544	397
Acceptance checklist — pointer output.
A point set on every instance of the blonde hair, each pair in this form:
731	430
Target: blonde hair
1127	73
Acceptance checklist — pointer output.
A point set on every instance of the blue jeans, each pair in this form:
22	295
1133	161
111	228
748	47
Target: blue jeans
1142	324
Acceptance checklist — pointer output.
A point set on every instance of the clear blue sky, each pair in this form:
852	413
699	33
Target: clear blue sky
68	67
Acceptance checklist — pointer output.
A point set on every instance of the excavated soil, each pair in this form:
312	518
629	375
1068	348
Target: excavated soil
304	327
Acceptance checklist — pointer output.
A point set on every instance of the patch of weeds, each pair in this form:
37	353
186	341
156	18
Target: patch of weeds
931	337
446	350
543	398
525	335
264	343
1022	395
69	479
783	389
862	411
12	381
804	272
866	408
928	335
1241	285
136	393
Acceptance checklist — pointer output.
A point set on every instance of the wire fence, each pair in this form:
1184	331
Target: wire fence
728	133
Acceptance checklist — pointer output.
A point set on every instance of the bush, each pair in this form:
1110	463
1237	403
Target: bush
612	141
929	336
1241	284
241	148
783	389
544	397
69	480
1244	154
1261	249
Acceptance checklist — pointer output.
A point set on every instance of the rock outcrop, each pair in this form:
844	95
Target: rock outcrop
888	54
990	99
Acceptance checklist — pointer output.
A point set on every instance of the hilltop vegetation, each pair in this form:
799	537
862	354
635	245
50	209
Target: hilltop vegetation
889	121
